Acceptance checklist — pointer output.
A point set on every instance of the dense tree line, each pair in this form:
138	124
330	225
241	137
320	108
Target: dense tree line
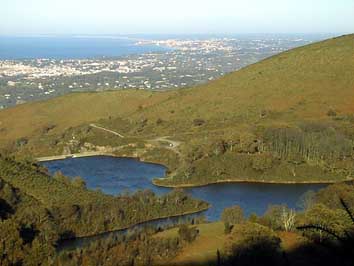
298	153
309	142
37	211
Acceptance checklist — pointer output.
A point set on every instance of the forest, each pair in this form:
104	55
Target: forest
38	211
320	232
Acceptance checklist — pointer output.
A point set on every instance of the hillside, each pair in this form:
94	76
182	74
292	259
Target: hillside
288	118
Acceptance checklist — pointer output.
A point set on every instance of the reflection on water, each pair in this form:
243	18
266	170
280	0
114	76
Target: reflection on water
159	224
119	175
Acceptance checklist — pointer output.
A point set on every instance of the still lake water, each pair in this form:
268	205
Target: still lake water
116	175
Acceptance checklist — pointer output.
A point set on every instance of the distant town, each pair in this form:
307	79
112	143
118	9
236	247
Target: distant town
186	62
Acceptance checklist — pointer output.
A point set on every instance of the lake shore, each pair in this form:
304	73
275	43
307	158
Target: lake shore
61	247
155	181
73	155
245	181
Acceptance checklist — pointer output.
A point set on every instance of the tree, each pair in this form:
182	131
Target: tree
232	215
188	234
252	244
11	244
78	182
307	200
279	217
288	218
61	178
262	162
330	220
228	228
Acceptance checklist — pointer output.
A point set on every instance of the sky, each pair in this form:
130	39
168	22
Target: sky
32	17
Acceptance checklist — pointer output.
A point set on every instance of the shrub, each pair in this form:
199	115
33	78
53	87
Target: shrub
188	234
334	220
253	218
159	121
232	215
279	217
252	244
331	112
198	122
21	142
78	182
227	228
262	162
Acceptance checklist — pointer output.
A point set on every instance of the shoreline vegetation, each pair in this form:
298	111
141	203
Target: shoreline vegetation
132	226
251	181
71	199
157	181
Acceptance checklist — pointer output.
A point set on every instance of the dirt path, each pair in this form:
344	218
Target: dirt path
171	144
107	130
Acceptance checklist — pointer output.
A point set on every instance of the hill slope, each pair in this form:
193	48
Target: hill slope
287	118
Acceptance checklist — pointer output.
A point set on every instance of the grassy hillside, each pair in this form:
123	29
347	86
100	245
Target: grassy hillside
288	118
32	119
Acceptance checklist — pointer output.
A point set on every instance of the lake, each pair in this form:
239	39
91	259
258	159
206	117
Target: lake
118	175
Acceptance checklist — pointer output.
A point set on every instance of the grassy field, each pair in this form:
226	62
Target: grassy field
212	238
221	125
203	249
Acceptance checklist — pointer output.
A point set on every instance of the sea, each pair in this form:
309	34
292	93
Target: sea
77	47
98	46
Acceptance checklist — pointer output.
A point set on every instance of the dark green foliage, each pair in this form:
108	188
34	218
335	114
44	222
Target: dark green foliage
331	112
78	182
21	142
332	211
5	209
228	228
42	210
198	122
307	200
232	215
252	244
279	217
159	121
262	162
141	250
28	233
187	233
309	142
333	230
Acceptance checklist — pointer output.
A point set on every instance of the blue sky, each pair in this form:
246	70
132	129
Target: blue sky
29	17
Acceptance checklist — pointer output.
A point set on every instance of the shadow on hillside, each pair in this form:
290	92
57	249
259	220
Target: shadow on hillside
261	254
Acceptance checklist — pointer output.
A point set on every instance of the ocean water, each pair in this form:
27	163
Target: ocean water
16	48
